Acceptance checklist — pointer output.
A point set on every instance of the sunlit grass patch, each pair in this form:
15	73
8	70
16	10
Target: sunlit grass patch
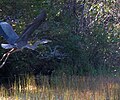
64	88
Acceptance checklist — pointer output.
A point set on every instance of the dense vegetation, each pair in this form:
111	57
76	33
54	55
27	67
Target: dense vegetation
85	36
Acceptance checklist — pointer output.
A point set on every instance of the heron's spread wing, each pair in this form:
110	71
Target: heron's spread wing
8	33
32	27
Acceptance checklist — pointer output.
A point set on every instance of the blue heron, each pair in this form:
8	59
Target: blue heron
15	42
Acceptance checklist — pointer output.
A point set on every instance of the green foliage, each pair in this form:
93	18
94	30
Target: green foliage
90	36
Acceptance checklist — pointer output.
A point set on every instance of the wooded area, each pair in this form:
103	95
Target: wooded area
85	36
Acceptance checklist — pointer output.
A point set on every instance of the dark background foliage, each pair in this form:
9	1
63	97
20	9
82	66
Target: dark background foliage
85	36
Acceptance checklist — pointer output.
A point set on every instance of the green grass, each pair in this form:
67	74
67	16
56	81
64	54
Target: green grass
64	88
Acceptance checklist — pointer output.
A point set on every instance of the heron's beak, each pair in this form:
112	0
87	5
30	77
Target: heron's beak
44	41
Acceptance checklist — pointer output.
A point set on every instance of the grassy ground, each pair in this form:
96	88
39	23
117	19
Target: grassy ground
64	88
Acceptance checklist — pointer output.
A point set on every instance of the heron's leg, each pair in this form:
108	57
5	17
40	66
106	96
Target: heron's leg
5	60
7	55
3	56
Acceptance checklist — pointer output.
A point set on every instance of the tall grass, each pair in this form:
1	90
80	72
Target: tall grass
64	88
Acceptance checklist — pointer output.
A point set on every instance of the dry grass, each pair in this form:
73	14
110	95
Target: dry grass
65	88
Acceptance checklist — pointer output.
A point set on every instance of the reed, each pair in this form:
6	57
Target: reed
64	88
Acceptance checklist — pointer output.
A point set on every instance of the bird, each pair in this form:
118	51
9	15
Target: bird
18	43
